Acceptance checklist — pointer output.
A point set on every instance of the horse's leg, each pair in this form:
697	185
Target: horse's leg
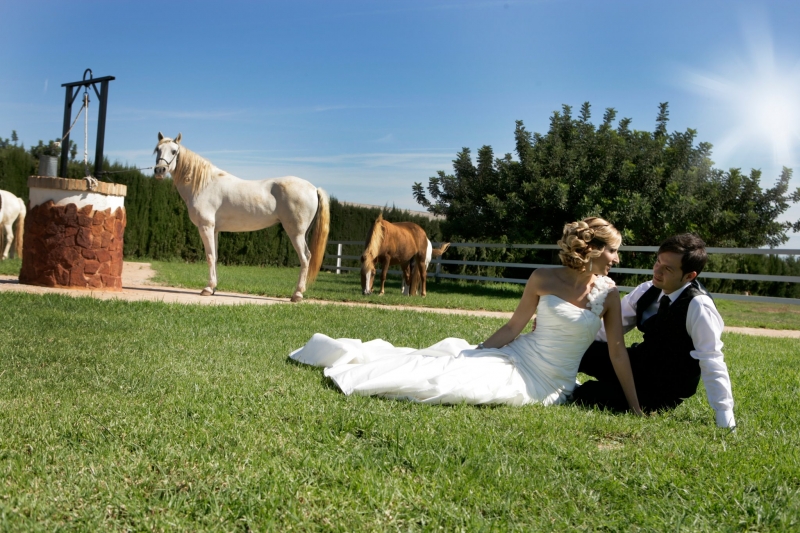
384	272
406	272
423	276
208	235
9	239
304	254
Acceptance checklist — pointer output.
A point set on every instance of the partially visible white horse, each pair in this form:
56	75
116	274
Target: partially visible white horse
219	201
11	209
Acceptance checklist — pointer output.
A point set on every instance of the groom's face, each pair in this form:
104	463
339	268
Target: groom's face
667	273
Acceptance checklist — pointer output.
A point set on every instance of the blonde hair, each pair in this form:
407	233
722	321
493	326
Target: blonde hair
584	240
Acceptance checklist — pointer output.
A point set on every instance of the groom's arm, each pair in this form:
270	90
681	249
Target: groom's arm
705	326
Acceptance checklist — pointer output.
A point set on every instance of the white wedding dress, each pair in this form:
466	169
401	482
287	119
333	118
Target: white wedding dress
537	367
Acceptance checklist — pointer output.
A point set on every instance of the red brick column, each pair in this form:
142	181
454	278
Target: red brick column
72	247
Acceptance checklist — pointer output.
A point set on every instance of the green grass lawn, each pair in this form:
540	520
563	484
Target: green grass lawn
272	281
10	267
150	416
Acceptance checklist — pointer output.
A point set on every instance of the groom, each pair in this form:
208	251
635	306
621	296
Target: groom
681	328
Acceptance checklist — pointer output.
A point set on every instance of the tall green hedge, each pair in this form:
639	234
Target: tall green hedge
15	166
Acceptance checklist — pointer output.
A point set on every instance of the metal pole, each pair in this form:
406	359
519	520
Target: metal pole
101	128
65	141
338	258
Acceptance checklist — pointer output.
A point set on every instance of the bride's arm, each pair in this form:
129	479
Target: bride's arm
522	315
612	319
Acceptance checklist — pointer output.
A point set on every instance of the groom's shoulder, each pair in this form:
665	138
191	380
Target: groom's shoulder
639	291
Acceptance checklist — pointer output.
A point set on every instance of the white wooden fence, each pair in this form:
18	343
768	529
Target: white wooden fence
437	273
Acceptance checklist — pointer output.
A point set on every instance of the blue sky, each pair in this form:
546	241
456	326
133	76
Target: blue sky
364	98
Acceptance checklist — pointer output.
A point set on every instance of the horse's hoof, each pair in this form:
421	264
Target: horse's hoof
208	292
297	297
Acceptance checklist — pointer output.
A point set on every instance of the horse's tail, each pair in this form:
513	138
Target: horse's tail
436	252
319	238
417	269
20	228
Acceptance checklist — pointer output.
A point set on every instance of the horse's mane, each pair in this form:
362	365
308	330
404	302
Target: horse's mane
190	167
374	240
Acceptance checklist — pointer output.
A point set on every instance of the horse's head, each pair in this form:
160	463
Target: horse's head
372	250
367	273
167	151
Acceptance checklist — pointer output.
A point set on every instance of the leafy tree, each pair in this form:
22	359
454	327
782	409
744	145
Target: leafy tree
650	185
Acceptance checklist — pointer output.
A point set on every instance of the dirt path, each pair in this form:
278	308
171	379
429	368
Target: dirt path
136	286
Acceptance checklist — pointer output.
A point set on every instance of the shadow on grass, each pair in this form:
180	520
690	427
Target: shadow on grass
443	287
325	381
489	291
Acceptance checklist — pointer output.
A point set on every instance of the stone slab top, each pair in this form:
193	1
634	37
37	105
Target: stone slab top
68	184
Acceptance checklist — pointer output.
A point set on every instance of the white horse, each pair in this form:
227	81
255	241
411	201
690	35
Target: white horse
219	201
11	209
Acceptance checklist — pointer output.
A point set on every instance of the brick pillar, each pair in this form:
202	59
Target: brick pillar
73	236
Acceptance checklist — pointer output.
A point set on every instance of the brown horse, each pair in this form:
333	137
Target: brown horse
403	243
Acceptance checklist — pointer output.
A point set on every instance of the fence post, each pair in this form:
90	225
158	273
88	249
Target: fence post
338	258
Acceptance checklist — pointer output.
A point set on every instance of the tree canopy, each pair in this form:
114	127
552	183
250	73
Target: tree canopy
648	184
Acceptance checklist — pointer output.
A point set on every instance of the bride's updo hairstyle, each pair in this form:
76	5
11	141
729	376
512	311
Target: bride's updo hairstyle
584	240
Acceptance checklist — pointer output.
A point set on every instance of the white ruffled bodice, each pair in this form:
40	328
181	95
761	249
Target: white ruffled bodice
549	356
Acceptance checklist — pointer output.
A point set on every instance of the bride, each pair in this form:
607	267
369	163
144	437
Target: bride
506	368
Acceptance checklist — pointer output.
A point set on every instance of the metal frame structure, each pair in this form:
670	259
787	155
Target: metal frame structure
102	95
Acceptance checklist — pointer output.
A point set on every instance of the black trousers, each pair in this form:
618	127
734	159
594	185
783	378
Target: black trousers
606	392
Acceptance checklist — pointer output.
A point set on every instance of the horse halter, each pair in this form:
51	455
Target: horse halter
177	153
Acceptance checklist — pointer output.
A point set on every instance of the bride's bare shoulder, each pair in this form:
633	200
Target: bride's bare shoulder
545	277
548	273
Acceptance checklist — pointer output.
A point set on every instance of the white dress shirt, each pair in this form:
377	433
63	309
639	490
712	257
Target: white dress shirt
704	325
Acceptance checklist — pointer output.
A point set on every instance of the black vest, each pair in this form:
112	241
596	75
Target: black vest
662	361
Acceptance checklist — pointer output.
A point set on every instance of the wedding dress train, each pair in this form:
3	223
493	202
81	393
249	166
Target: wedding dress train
537	367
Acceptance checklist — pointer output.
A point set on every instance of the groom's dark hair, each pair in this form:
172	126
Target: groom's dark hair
692	249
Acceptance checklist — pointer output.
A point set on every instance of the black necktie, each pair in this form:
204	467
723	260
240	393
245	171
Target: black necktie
663	305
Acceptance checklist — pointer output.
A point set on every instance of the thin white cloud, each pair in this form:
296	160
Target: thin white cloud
137	114
413	160
234	115
385	139
454	6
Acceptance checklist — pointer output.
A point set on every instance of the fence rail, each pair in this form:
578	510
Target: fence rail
437	273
